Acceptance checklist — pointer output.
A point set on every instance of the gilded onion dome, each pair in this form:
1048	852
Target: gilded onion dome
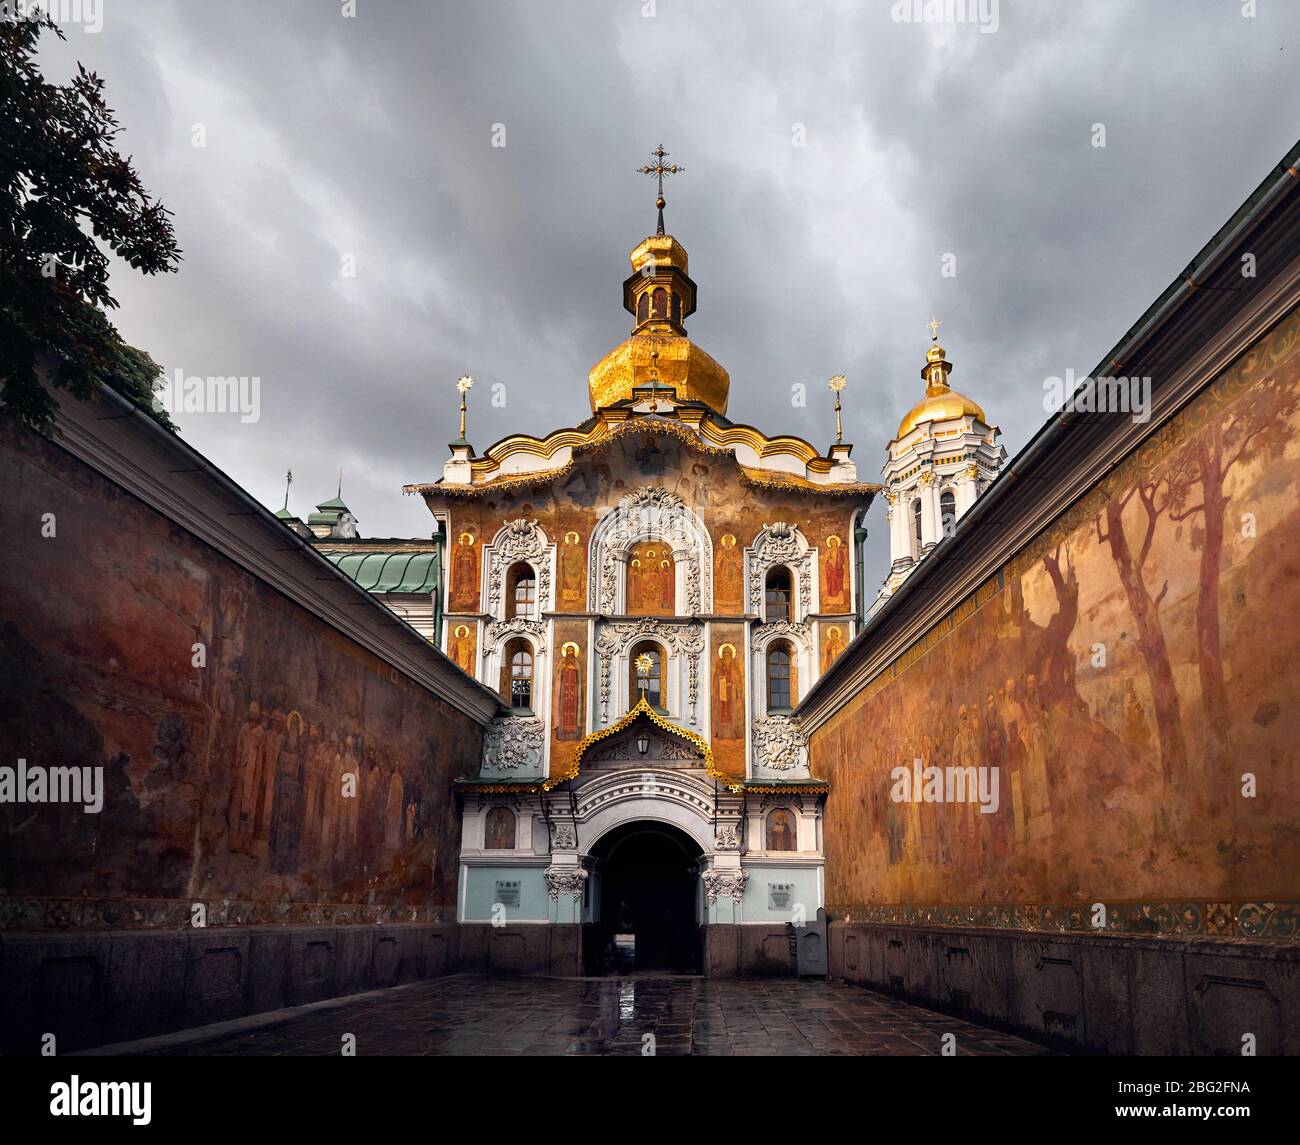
660	295
941	401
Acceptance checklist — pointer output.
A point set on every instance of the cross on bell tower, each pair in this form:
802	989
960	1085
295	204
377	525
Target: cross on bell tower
659	169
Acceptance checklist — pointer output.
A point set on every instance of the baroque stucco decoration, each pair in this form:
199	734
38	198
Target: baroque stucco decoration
513	742
499	631
564	881
683	640
650	513
779	745
781	544
519	540
724	884
727	837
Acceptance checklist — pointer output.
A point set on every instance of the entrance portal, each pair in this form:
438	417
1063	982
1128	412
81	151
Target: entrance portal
649	874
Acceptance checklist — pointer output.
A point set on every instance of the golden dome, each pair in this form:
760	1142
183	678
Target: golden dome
681	364
941	401
660	296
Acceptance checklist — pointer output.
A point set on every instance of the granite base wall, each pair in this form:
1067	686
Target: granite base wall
735	951
110	986
1102	994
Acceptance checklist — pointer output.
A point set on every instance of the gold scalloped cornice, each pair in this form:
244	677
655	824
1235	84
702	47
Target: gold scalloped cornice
641	708
697	427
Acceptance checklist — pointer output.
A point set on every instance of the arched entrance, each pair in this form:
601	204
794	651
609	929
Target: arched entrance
648	918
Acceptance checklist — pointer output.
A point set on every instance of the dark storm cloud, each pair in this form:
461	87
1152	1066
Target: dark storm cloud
329	137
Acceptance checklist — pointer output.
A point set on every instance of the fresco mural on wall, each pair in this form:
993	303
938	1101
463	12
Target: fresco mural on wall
292	769
1124	674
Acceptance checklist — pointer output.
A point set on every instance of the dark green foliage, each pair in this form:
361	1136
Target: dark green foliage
66	195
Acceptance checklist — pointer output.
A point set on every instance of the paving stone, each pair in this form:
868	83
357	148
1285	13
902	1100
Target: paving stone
474	1015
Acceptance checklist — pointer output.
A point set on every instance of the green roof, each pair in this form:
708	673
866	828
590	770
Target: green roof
389	572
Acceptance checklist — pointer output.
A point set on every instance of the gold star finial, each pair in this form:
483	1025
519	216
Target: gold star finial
463	386
835	385
659	169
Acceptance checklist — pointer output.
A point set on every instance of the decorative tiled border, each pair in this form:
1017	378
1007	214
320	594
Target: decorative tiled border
85	914
1173	919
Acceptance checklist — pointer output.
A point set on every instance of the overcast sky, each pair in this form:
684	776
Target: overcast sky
372	137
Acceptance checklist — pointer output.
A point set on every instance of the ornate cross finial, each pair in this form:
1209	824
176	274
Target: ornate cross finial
288	480
659	169
934	325
464	387
835	385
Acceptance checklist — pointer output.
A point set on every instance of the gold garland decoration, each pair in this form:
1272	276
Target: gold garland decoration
855	489
642	708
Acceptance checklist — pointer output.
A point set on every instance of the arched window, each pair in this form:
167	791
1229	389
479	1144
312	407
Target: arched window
522	598
778	594
948	512
649	679
677	308
643	308
780	678
781	831
517	674
499	830
659	303
916	522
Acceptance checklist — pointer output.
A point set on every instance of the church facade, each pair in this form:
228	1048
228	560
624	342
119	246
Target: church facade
651	593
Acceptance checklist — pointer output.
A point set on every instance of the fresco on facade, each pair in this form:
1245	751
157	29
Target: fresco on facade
568	693
573	568
464	573
833	644
461	647
727	690
780	831
733	513
651	586
728	575
1124	675
835	575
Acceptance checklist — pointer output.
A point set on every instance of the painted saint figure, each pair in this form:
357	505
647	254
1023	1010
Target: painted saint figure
726	698
836	572
727	578
569	717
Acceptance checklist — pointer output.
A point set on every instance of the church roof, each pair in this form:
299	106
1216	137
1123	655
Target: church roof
784	461
382	573
941	401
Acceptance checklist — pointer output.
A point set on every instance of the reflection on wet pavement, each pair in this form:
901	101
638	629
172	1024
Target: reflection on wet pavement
468	1014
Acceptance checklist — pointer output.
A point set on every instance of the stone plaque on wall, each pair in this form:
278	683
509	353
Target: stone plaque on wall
779	895
507	892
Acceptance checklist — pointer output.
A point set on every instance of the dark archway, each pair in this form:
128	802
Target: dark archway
649	873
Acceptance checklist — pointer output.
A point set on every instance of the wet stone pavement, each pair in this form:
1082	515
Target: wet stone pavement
468	1014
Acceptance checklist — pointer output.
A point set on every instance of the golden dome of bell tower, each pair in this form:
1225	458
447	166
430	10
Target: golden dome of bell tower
941	401
660	296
